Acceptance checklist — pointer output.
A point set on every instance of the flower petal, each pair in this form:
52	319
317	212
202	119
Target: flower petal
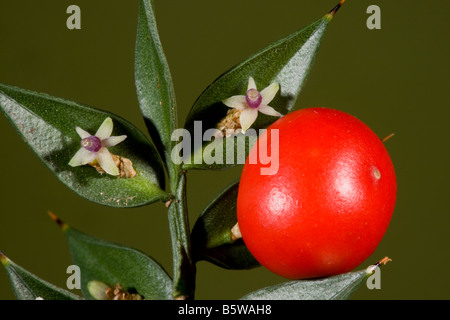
107	163
82	133
269	110
112	141
248	116
82	157
251	84
236	102
105	129
269	93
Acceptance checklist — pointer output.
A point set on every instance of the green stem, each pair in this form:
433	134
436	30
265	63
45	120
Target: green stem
183	267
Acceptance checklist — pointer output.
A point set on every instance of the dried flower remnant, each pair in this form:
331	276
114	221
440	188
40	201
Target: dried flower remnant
94	149
125	166
245	108
230	124
102	291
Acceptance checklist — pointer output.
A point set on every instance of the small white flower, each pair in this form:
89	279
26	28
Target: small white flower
252	102
96	148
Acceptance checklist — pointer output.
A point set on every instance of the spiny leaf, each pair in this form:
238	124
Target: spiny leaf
48	123
27	286
116	264
286	62
212	239
154	83
338	287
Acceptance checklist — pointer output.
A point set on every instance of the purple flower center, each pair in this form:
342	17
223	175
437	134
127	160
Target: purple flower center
253	98
91	143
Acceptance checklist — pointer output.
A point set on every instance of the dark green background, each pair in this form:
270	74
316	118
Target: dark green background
394	79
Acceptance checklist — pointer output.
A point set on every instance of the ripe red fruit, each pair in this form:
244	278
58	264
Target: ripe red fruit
327	208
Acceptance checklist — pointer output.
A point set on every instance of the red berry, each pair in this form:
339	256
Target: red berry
327	208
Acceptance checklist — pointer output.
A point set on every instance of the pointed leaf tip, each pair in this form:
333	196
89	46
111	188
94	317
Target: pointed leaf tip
331	14
370	269
3	259
60	223
28	286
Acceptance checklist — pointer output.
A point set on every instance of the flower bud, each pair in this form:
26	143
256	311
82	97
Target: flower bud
98	290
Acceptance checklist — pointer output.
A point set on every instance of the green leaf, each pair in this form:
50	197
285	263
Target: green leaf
48	123
339	287
116	264
287	62
222	153
154	83
211	236
27	286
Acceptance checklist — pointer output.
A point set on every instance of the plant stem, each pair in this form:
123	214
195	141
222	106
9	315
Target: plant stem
183	267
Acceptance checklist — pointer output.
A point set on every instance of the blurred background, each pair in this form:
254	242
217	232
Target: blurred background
394	79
